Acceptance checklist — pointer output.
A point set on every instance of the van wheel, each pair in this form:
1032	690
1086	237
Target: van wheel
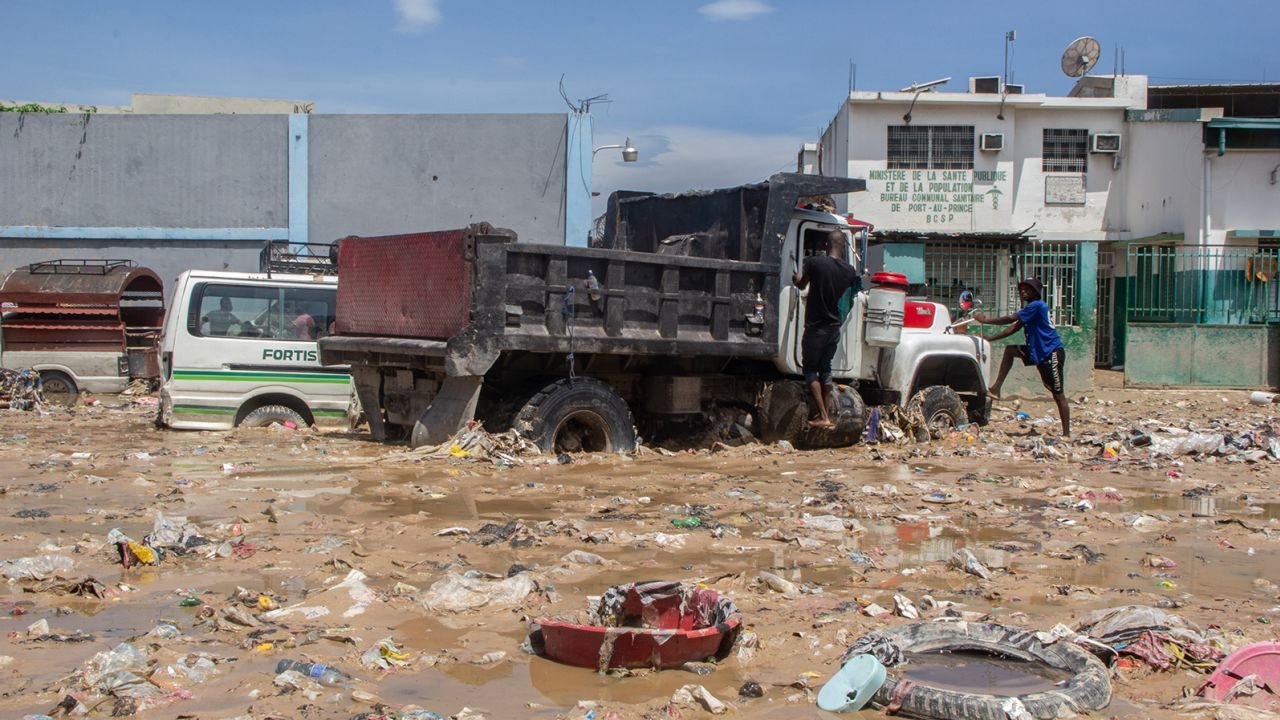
577	415
59	388
268	414
942	408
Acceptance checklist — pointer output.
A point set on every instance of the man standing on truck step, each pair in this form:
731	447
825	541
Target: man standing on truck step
829	277
1043	349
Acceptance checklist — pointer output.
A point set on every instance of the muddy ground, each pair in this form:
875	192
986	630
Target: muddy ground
289	514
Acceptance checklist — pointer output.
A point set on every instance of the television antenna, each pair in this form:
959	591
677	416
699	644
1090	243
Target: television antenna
1080	56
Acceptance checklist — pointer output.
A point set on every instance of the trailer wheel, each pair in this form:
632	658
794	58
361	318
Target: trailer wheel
577	415
942	408
58	387
267	414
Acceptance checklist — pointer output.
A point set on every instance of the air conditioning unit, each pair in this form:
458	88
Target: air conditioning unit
984	85
1105	143
991	142
1012	89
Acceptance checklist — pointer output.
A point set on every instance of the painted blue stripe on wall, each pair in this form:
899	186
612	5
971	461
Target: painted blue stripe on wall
48	232
298	178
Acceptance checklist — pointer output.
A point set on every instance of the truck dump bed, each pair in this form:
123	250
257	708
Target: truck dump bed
675	275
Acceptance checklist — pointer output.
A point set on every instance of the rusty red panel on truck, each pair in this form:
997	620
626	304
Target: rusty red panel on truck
416	285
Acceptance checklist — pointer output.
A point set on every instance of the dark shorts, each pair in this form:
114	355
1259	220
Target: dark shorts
1052	369
817	350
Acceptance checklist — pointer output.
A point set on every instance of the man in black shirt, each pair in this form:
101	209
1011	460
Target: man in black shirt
829	277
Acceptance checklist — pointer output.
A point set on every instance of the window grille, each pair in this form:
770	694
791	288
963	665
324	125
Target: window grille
930	147
1065	150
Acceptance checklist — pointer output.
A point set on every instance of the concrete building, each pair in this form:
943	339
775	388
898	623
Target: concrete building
974	190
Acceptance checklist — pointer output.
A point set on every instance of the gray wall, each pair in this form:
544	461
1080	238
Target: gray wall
388	174
367	175
184	171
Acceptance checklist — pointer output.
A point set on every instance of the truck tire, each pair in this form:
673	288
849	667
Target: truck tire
942	408
785	416
58	387
577	415
1088	689
267	414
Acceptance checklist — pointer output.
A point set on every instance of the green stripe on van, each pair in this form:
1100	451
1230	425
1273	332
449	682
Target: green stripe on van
330	413
202	410
251	376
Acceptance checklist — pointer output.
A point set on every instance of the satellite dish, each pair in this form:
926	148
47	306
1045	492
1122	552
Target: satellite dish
1080	56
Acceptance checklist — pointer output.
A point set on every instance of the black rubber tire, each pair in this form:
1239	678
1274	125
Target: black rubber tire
1089	688
591	410
850	418
58	387
267	414
943	408
979	409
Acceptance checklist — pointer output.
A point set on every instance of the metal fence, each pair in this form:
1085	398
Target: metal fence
991	272
1202	285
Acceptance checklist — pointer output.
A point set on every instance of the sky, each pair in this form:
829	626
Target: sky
713	93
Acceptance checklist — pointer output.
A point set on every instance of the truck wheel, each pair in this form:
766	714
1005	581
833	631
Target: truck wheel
267	414
577	415
59	388
942	409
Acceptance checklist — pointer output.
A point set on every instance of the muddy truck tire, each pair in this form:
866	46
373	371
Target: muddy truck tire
267	414
786	410
1088	689
942	408
577	415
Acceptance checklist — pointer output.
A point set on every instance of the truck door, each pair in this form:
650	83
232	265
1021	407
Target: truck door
810	240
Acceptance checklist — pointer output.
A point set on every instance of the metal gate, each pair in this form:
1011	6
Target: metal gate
1104	337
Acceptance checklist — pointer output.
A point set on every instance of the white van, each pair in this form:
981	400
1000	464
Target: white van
240	349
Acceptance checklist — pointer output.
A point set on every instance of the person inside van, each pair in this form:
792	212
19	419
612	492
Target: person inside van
221	320
304	326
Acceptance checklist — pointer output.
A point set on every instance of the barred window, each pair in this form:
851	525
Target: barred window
1065	150
930	147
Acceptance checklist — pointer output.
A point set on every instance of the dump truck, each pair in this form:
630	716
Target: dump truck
682	308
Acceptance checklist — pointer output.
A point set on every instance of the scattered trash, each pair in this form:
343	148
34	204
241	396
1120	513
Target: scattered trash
1161	640
41	567
324	674
698	696
963	559
463	593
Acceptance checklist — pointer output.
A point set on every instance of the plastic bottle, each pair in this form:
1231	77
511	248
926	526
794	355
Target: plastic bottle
593	287
758	311
323	674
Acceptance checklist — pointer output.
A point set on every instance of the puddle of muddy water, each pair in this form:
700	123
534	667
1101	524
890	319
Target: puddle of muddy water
981	673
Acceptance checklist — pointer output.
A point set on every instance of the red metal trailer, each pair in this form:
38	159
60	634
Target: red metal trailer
84	324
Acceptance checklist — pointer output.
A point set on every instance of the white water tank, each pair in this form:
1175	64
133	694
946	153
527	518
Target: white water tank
885	305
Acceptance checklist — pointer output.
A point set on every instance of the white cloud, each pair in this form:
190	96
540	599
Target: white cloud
735	9
417	15
678	158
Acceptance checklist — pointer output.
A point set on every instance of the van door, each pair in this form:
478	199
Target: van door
811	240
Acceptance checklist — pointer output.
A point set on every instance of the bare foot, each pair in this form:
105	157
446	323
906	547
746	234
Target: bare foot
822	425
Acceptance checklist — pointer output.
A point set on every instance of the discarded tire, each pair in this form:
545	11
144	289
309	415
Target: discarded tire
267	414
577	415
1088	689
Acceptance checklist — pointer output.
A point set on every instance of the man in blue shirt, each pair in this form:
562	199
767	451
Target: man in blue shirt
1043	349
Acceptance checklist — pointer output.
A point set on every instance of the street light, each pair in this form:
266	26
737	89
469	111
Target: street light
629	153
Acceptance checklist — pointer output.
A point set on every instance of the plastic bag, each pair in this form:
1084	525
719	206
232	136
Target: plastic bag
40	567
456	593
